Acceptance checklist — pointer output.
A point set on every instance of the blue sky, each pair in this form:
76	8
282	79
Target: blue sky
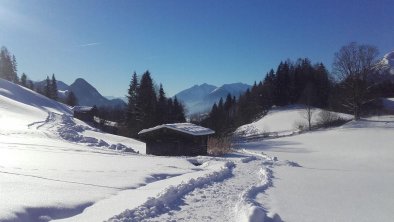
183	42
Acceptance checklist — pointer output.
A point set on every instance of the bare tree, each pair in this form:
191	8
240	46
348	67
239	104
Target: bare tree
308	98
354	66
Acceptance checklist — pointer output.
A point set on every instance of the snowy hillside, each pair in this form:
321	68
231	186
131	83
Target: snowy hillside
200	98
283	121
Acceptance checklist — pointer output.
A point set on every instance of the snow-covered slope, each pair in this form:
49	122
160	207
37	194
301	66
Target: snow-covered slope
200	98
18	94
283	121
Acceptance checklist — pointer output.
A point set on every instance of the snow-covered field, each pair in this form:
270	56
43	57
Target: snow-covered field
344	174
54	167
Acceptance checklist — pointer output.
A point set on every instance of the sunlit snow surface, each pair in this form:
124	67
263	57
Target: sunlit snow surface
53	167
344	174
188	128
44	172
283	121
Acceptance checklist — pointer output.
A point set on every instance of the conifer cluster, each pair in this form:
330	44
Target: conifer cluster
146	109
8	66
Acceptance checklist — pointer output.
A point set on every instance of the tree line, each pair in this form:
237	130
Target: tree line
354	87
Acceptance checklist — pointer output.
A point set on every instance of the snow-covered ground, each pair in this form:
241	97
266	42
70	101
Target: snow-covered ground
344	174
54	167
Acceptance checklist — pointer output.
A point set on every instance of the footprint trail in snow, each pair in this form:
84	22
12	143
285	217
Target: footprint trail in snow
229	200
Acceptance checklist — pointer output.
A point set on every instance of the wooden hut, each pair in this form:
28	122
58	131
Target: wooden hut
84	113
178	139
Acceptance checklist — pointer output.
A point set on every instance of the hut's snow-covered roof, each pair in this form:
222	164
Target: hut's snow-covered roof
188	128
82	108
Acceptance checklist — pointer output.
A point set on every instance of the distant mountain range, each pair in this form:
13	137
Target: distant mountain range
86	94
200	98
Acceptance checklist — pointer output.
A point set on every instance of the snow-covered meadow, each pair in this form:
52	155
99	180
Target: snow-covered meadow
54	167
342	174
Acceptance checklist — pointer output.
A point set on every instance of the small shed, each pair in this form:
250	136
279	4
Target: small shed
84	113
177	139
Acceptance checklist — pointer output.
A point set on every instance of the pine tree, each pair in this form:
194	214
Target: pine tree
179	112
8	66
228	102
14	70
47	89
24	80
170	111
30	84
161	108
282	84
71	99
53	88
323	85
146	102
131	113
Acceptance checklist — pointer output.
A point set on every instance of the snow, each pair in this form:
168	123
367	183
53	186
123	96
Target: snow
344	174
188	128
389	59
387	63
82	108
55	167
281	121
227	200
23	95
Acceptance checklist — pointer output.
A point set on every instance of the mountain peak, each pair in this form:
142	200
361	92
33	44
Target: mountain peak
87	95
81	81
200	98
